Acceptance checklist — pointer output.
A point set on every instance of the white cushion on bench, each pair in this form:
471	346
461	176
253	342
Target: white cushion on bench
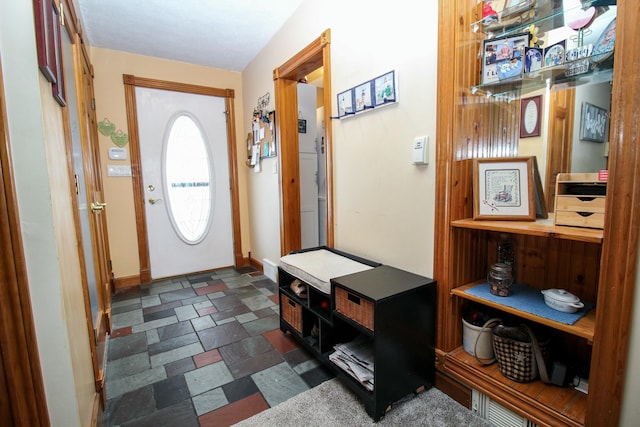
318	267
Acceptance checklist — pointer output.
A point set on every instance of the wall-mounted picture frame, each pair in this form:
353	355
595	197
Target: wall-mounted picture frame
530	115
49	45
345	103
385	89
593	123
57	86
363	98
42	13
302	126
504	189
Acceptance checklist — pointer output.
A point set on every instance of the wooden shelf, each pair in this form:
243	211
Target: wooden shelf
540	227
544	404
582	328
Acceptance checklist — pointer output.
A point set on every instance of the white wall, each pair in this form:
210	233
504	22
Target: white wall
384	206
39	166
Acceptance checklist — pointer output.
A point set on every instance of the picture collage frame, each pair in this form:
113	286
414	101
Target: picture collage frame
375	93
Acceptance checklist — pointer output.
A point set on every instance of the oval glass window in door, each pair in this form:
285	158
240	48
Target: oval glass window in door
187	174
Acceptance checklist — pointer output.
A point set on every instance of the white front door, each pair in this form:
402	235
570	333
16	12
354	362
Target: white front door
185	175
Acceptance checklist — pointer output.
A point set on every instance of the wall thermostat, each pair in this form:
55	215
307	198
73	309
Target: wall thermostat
117	153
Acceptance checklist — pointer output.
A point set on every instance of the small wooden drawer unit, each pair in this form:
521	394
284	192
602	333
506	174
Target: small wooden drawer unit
580	200
291	312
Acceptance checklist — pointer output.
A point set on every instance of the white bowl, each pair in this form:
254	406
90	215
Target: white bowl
561	300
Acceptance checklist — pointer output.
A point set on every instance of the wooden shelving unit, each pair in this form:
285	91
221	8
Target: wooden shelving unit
583	328
549	404
596	264
540	227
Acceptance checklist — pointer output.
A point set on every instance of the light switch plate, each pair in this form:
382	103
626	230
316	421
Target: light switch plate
118	170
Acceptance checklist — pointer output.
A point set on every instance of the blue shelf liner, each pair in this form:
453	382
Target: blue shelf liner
529	300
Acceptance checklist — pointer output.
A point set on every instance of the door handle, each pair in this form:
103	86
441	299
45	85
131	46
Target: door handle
97	207
154	201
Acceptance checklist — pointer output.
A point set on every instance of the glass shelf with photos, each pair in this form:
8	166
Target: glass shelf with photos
524	13
555	78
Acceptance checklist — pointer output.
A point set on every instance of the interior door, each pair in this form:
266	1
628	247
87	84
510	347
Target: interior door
560	137
185	175
90	197
308	158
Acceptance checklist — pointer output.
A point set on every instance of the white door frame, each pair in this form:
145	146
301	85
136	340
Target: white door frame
130	82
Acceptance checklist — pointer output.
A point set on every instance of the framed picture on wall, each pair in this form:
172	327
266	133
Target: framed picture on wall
57	86
530	114
363	96
385	88
43	15
593	123
345	103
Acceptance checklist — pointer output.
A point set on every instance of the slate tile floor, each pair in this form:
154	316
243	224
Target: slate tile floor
202	350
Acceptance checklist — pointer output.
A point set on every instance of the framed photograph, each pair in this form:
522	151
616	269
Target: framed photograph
593	123
504	189
385	89
345	103
302	126
363	96
555	54
503	58
530	115
45	45
533	59
57	86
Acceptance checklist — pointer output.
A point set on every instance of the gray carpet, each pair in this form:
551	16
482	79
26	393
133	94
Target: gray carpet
332	404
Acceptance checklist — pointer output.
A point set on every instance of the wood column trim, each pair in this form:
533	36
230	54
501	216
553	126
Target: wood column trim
20	360
622	224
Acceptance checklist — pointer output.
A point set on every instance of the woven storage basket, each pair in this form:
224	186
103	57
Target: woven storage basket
354	307
516	359
291	312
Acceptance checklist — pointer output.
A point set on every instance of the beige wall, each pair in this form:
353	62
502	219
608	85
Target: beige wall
109	66
384	204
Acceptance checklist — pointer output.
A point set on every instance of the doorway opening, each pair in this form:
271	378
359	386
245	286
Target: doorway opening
313	57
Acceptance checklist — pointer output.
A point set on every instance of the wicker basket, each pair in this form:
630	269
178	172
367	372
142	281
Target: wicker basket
517	360
355	308
291	312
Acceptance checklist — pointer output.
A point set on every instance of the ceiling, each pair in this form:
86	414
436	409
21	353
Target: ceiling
224	34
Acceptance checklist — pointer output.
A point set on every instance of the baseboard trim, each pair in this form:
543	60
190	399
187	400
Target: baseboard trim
121	283
453	388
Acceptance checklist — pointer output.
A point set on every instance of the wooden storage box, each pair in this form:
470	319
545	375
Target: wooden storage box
354	307
580	200
291	312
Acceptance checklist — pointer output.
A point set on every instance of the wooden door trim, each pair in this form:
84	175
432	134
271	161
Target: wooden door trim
315	55
130	83
20	357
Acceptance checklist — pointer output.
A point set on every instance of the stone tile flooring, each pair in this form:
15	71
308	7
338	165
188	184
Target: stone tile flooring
202	350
